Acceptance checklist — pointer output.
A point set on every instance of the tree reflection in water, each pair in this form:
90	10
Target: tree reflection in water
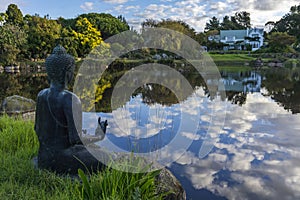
281	84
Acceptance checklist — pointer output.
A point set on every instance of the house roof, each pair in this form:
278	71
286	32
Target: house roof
256	30
238	34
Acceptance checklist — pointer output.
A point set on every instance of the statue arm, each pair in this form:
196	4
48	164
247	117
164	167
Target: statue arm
99	133
36	113
73	114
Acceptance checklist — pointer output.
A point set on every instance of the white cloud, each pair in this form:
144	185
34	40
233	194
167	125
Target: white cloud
277	174
219	6
115	1
154	11
87	6
197	12
132	7
191	136
119	8
188	11
122	9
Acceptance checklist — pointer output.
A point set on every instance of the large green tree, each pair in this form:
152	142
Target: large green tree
69	41
243	19
12	41
14	15
176	25
213	24
290	23
228	24
201	38
240	20
42	35
280	42
149	23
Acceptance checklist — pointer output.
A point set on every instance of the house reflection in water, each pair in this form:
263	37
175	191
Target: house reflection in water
242	82
237	85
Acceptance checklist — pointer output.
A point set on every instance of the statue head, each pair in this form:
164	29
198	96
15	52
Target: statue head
60	66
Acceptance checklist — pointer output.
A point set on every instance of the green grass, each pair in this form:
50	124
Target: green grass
19	179
231	57
232	62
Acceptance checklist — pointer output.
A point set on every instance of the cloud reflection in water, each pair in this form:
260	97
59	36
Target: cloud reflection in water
258	153
256	156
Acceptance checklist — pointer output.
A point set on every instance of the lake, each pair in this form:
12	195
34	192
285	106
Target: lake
255	154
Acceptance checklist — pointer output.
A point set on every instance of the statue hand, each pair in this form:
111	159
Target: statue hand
102	125
101	129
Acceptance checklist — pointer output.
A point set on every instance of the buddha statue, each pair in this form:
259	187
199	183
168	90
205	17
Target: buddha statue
58	122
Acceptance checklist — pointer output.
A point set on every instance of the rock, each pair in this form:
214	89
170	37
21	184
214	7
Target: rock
167	182
17	105
29	116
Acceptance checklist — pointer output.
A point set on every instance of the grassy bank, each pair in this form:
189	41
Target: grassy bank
231	57
223	61
19	179
232	62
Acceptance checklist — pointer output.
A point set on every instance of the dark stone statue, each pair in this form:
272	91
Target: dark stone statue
58	122
58	125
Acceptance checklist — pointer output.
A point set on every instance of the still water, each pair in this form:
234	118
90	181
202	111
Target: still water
255	154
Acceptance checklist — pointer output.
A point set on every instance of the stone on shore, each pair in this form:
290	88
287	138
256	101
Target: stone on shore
18	105
168	183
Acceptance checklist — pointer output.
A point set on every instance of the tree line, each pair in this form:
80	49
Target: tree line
285	33
32	37
240	20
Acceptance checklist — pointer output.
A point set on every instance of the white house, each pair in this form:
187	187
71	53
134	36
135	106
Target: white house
239	39
255	37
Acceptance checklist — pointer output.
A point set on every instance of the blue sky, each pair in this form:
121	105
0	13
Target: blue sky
195	12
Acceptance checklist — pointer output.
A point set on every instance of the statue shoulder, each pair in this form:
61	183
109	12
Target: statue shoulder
43	92
70	96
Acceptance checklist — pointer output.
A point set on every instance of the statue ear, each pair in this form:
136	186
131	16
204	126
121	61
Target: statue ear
69	77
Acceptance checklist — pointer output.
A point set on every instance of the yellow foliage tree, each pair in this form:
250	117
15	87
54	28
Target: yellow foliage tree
86	36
